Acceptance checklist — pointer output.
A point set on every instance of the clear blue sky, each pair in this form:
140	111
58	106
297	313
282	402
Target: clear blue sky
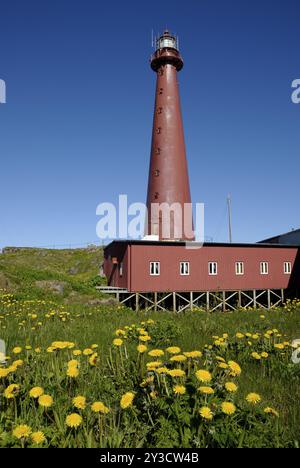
76	128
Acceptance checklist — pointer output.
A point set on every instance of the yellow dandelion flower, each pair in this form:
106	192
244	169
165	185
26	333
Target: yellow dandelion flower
99	407
179	389
235	368
38	437
176	373
153	364
173	350
127	400
264	355
17	350
117	342
46	401
22	431
11	391
144	338
87	352
79	402
206	413
76	352
162	370
4	372
231	387
206	390
72	372
223	365
178	358
193	354
156	353
253	398
93	359
228	408
141	348
203	376
73	420
36	392
256	356
272	411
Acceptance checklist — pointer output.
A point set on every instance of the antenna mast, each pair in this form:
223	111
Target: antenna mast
229	218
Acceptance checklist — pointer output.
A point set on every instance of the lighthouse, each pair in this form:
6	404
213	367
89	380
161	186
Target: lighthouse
168	197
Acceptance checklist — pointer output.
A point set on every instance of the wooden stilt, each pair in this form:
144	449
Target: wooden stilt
191	300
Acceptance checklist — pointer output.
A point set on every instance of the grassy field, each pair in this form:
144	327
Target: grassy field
79	375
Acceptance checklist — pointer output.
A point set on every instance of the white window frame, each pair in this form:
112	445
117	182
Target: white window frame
287	268
121	269
154	268
264	268
212	268
239	268
184	268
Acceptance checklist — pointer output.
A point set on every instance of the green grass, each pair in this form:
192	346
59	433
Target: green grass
277	381
77	270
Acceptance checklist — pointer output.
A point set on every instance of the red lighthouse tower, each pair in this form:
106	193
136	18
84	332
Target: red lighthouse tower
168	197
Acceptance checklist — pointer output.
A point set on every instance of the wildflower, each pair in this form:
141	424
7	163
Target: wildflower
37	350
17	350
18	363
206	390
253	398
193	354
99	407
153	364
141	348
36	392
223	365
79	402
231	387
206	413
22	431
11	391
117	342
203	376
87	351
179	389
73	363
73	420
144	338
126	400
120	332
178	358
38	437
162	370
240	335
77	352
72	372
93	359
228	408
176	373
235	368
264	355
94	346
279	346
256	356
46	401
156	353
173	350
272	411
4	372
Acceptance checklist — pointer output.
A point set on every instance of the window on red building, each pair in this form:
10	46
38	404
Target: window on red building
154	268
213	268
239	268
264	268
184	268
287	268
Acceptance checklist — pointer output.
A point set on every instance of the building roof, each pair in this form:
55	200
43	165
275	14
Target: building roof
205	244
272	239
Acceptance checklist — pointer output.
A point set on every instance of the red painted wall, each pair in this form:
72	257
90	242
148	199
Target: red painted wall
137	278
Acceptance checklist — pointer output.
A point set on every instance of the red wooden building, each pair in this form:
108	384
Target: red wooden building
231	274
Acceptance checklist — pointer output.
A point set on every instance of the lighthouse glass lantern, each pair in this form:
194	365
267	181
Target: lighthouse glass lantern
167	41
